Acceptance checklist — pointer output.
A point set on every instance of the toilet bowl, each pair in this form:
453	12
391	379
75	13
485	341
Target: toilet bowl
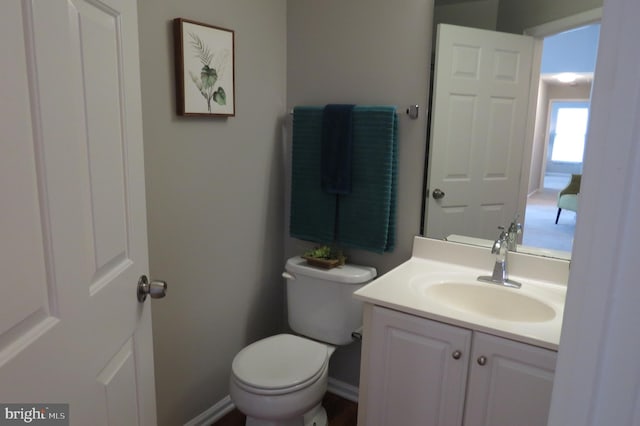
281	380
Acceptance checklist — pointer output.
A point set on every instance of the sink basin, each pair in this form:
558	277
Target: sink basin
491	301
439	282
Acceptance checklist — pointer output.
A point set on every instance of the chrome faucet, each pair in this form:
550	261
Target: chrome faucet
514	230
500	249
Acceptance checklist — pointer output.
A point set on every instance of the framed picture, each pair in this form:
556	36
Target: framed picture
205	71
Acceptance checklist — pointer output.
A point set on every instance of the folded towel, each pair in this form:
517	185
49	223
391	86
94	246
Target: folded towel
312	214
337	148
367	216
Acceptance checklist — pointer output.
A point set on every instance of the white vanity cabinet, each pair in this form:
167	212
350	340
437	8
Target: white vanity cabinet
509	383
417	371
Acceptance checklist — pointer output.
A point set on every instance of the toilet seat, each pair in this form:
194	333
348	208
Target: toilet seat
280	364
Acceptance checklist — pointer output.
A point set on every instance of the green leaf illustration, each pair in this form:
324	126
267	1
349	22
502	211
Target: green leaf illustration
209	76
202	51
220	97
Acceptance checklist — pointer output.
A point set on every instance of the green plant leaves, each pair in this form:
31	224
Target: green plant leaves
220	97
202	51
326	252
209	76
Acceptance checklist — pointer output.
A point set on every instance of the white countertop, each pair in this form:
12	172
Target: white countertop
438	261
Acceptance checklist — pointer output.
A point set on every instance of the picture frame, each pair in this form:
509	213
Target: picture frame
204	69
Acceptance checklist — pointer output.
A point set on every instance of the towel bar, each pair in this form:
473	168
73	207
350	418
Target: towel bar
412	111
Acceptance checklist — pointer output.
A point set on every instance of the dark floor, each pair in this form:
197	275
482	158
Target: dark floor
341	412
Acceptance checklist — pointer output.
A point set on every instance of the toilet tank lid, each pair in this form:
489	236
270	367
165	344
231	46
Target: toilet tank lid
347	274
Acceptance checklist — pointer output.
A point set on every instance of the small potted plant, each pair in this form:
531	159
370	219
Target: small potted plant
324	257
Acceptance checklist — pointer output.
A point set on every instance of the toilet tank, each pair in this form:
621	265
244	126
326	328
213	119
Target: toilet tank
320	301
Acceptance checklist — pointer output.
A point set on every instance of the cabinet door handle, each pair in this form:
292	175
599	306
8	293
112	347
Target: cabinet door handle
456	354
482	360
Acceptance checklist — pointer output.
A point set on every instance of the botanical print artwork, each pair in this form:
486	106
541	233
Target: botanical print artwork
206	81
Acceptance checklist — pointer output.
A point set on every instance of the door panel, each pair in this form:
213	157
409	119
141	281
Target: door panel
479	112
74	236
413	377
513	387
118	380
101	62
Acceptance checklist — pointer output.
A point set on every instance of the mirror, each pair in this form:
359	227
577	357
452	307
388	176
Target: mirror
531	168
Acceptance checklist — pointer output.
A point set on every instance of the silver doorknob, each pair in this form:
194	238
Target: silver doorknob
155	289
437	194
482	360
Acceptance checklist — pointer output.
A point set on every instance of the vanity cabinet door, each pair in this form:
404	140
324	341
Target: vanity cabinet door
509	384
417	371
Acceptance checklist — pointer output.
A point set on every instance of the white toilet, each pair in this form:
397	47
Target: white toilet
280	380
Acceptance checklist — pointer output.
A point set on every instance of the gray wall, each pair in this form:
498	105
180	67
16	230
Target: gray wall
539	139
366	52
515	16
215	198
475	14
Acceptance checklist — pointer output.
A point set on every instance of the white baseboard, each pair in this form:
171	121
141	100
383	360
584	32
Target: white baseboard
213	413
224	406
345	390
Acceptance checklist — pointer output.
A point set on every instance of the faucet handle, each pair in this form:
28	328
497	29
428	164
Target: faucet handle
500	243
515	227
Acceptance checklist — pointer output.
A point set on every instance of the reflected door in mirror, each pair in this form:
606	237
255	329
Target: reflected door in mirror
482	83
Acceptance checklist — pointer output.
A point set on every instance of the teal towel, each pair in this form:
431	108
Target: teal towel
367	217
313	211
337	148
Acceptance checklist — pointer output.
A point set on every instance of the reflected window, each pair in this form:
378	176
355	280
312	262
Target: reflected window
567	133
571	131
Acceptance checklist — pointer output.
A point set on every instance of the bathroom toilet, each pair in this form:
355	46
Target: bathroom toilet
281	380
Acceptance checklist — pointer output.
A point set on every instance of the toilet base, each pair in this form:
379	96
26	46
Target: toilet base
317	416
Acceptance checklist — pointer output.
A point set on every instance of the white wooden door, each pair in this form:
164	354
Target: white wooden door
72	223
417	371
479	114
510	383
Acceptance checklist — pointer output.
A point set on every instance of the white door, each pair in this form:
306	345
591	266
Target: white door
72	222
416	373
510	383
479	115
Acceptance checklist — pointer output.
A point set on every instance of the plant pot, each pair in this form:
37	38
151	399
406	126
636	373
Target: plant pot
322	263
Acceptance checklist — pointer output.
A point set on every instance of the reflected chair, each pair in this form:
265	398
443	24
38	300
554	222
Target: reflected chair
568	197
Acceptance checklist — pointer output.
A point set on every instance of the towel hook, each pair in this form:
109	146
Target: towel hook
413	111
